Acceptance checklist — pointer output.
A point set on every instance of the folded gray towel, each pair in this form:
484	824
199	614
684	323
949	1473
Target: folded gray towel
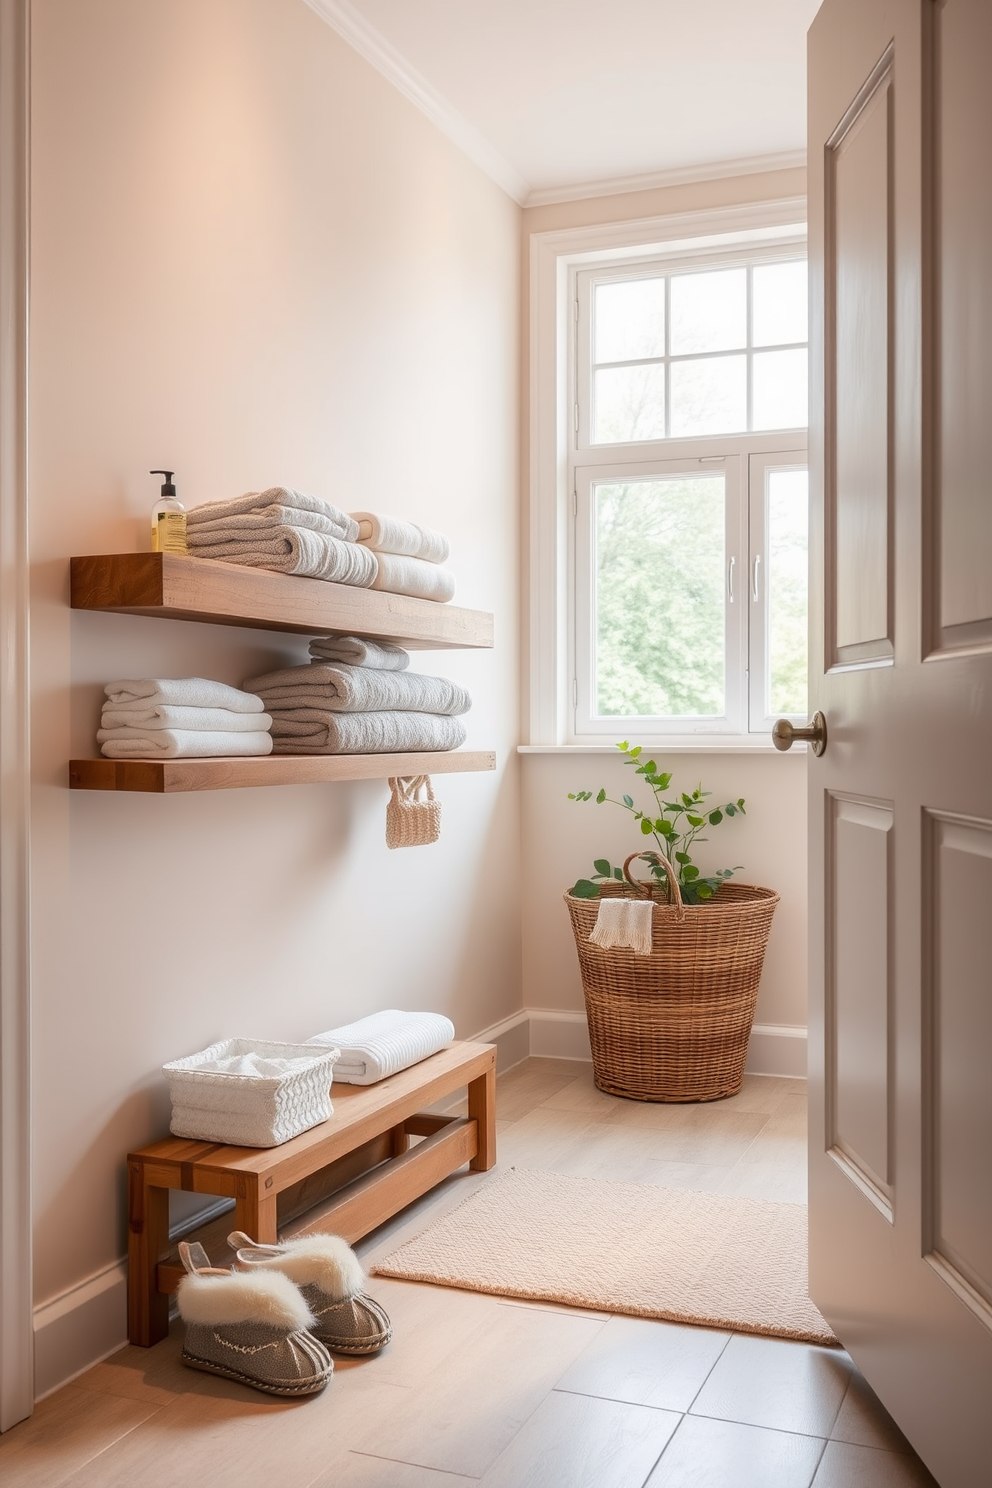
398	575
350	689
183	692
255	524
342	525
315	731
392	535
129	743
295	550
357	651
206	720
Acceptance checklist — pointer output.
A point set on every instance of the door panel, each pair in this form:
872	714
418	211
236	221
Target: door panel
962	116
900	208
960	1103
858	1090
858	288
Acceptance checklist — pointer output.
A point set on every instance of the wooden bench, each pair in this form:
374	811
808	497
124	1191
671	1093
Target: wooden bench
353	1171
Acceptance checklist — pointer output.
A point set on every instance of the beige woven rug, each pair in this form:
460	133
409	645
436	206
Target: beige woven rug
624	1248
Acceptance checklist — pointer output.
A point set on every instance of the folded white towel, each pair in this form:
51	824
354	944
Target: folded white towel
315	731
624	922
351	689
357	651
125	743
384	1043
393	535
209	720
296	550
182	692
258	524
341	525
398	575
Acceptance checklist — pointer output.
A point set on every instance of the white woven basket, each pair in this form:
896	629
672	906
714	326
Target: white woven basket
250	1110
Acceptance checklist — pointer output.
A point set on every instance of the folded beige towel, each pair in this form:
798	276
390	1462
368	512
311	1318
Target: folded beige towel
357	651
206	535
318	731
350	689
413	576
393	535
206	720
258	501
179	744
296	550
182	692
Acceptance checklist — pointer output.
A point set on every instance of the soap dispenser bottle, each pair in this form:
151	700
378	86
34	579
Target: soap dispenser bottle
168	519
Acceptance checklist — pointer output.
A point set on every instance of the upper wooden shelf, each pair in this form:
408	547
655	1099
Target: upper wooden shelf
165	777
181	588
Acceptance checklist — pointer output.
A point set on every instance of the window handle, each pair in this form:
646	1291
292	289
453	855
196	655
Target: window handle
730	580
754	577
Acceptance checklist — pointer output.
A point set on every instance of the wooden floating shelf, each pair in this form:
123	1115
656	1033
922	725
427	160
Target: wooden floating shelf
180	588
165	777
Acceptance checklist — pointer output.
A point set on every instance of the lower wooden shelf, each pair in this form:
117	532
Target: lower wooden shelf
163	777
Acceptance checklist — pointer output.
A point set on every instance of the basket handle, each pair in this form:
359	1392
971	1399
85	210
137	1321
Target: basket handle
673	882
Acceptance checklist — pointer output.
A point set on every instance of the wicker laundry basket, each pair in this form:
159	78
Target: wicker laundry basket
675	1025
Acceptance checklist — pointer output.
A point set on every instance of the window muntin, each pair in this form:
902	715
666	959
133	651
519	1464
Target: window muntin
697	352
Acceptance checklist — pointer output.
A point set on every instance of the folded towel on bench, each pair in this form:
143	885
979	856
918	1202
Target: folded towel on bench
384	1043
393	535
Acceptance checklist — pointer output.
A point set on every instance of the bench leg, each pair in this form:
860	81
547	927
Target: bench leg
147	1243
482	1110
255	1211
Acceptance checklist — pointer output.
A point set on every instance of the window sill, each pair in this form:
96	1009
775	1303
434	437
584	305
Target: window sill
763	745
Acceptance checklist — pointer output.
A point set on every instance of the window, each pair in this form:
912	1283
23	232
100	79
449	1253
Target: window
689	494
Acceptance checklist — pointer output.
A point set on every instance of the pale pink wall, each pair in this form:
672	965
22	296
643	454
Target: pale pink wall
254	261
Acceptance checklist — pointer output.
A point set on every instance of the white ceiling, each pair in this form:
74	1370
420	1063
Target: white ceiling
561	98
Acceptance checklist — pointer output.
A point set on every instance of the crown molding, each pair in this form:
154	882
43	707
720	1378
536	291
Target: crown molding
373	46
683	175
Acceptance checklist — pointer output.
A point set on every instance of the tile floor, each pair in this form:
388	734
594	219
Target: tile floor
493	1393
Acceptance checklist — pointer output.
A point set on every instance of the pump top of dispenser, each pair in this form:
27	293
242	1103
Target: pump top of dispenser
168	489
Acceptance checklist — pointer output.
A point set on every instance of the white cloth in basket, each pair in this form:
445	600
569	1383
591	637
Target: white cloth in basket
385	1043
623	922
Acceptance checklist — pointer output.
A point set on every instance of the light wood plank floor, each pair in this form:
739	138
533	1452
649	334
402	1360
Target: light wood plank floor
485	1391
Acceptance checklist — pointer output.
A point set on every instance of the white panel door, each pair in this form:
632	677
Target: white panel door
900	187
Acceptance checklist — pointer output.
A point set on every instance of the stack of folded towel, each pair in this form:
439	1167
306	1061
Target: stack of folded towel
285	530
184	717
371	705
409	557
385	1043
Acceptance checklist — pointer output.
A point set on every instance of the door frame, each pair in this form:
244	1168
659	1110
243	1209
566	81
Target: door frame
16	1312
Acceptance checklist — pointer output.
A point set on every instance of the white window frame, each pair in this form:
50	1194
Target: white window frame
555	258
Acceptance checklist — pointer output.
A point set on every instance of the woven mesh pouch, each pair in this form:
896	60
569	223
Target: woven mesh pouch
413	817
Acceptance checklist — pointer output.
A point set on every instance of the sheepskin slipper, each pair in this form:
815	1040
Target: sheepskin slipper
329	1276
252	1327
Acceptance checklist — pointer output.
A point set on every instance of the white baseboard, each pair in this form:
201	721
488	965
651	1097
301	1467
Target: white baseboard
77	1329
553	1033
88	1322
777	1049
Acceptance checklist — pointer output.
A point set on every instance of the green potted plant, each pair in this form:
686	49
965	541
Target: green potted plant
672	1022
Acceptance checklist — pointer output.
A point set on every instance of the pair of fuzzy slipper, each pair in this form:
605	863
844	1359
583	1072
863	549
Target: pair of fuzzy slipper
272	1323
